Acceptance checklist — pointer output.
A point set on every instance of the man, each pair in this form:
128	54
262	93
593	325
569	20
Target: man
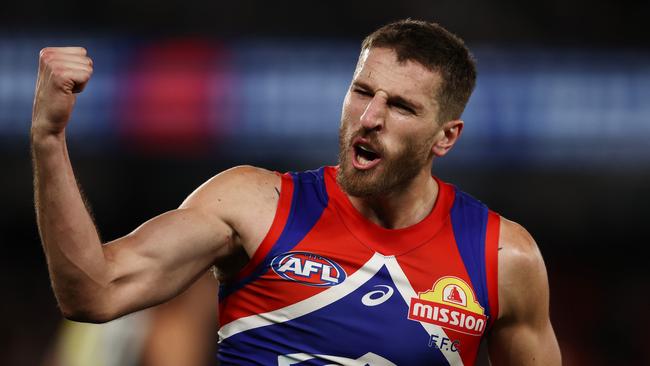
371	262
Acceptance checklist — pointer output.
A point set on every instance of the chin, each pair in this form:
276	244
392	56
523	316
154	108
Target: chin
360	183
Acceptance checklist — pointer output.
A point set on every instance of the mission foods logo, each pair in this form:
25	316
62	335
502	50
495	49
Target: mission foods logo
450	304
308	268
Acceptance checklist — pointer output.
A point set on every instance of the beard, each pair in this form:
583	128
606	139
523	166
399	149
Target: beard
394	172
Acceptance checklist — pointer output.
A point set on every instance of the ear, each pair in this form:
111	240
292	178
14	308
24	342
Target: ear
450	132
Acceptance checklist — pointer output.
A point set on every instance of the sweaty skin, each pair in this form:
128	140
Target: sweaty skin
227	217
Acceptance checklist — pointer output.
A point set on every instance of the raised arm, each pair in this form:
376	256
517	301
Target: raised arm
522	335
93	282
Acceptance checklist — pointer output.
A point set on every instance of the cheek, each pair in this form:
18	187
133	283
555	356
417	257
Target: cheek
408	142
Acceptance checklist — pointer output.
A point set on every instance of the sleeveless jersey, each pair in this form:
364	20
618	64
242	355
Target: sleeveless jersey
329	287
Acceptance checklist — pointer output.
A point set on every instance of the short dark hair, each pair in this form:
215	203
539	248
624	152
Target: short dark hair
438	50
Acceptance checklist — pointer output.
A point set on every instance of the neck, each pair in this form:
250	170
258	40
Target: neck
401	207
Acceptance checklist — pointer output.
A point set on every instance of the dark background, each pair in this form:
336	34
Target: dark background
576	22
583	195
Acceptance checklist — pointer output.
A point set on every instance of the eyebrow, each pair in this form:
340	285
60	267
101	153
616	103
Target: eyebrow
392	99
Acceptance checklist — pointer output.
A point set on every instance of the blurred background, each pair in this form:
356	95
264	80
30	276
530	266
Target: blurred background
557	133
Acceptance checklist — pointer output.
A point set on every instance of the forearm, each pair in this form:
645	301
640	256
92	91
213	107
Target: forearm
95	282
70	241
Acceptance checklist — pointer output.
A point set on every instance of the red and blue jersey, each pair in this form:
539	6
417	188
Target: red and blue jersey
327	286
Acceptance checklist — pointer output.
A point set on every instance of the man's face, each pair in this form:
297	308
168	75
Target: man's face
388	124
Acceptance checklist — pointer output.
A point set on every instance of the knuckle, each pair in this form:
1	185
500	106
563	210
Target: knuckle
59	72
45	55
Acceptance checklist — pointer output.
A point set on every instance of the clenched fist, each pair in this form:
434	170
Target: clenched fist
62	72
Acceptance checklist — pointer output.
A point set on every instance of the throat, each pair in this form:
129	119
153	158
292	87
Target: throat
398	210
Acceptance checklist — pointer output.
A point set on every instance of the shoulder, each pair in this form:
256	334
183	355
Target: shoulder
522	333
522	273
244	197
237	185
516	243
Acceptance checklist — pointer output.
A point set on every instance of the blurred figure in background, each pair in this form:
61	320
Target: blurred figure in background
178	332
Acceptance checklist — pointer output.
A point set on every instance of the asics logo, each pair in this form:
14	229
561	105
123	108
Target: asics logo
377	297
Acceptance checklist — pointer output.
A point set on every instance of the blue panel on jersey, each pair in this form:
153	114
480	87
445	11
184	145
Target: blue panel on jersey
346	328
469	221
309	201
307	204
313	362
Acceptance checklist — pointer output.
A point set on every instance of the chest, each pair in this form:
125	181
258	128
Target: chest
333	295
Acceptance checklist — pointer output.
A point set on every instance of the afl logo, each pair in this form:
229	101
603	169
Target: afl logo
308	268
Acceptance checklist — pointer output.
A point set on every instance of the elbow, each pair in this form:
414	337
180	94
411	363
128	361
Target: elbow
94	315
85	317
80	302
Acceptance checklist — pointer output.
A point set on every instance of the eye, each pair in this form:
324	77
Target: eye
362	92
403	109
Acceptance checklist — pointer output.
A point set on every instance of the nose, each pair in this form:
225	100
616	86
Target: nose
374	115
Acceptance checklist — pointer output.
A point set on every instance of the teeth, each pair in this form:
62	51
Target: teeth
362	160
365	149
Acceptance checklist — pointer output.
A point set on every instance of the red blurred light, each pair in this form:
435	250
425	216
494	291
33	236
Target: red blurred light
166	98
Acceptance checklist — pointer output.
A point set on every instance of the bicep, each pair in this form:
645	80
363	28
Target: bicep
164	256
523	334
167	253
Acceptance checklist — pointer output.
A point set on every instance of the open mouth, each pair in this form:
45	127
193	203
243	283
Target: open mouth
364	156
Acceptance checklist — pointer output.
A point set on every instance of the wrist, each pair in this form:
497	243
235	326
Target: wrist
42	130
43	136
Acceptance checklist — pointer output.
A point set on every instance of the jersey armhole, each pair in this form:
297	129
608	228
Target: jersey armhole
492	264
279	221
